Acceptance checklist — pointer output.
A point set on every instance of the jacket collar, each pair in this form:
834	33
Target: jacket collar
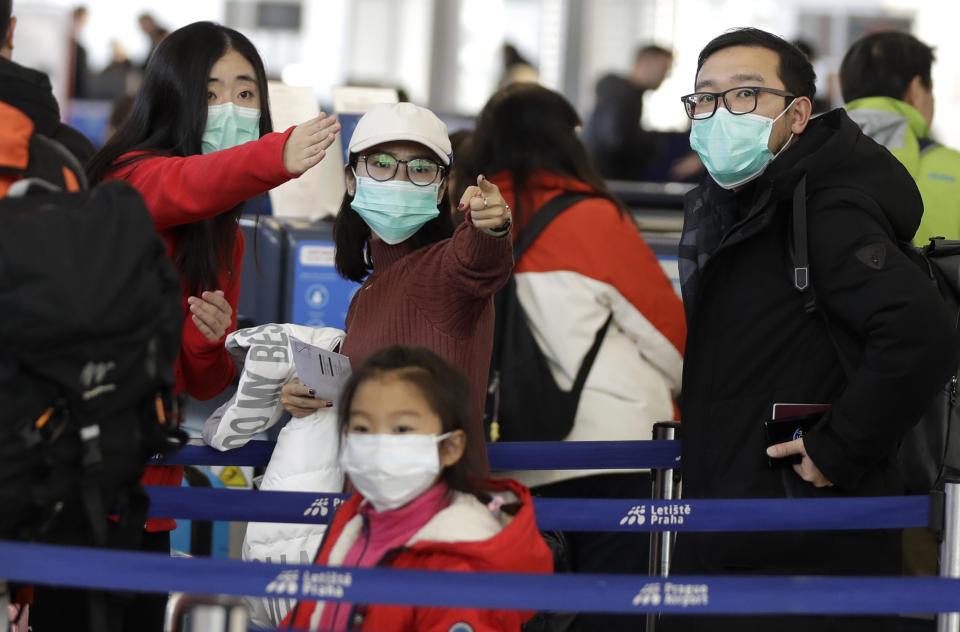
29	91
897	113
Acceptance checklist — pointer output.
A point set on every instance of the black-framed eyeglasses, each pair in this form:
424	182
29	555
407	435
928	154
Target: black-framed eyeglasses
382	166
740	100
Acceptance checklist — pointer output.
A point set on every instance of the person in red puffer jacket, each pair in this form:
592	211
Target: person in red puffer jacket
402	420
197	144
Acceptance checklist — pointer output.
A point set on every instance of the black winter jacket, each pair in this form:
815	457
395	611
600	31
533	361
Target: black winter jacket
29	91
751	344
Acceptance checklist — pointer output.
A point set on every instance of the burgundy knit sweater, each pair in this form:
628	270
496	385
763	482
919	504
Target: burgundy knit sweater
439	297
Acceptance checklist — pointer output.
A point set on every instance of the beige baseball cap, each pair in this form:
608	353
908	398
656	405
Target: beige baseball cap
401	121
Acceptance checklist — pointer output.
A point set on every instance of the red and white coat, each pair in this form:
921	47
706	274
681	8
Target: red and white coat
465	536
589	262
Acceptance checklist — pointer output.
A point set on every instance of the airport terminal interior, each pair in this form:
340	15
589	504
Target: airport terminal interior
348	58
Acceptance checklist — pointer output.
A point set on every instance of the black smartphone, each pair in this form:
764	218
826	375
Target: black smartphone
787	429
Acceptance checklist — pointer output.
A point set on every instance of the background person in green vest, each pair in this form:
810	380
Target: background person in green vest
886	84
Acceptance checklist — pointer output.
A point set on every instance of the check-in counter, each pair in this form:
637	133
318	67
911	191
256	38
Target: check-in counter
262	280
314	294
664	246
289	274
655	206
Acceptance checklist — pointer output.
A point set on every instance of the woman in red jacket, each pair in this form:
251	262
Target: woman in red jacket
402	421
197	144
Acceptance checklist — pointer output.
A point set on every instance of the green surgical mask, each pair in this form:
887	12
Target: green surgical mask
735	147
395	209
229	125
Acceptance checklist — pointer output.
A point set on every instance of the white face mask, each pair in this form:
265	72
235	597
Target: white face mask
390	470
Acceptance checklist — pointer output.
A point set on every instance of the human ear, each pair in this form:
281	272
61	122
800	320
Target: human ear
451	448
920	96
441	191
6	46
350	180
912	95
800	115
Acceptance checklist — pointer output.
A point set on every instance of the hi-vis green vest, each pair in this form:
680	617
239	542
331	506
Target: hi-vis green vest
936	169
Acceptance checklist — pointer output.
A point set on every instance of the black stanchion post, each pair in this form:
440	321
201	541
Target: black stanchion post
950	549
666	486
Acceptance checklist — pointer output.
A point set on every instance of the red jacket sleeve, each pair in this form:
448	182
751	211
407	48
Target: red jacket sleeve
184	189
204	368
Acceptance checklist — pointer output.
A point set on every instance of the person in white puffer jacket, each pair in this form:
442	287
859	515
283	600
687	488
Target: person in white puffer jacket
305	457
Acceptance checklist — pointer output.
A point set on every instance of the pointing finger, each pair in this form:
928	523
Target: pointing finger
486	187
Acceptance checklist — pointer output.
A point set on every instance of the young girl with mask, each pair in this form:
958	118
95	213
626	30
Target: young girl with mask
421	286
197	144
402	419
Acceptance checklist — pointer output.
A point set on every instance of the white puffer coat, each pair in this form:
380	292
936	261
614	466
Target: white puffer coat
305	457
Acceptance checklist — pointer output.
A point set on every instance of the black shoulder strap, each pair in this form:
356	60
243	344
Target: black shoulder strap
800	252
507	304
801	268
547	213
588	359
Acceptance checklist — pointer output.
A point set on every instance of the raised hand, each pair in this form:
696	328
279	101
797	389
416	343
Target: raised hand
308	143
488	210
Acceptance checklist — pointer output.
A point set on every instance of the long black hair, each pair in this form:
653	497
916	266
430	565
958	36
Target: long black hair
351	235
525	128
168	117
444	386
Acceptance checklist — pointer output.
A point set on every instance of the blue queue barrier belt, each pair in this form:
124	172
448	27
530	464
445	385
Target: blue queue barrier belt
151	572
576	514
554	455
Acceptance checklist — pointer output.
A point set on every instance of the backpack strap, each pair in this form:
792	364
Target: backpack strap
542	218
800	253
588	359
547	213
800	256
26	154
506	303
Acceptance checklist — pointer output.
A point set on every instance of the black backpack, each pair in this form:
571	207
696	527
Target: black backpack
91	330
524	402
930	450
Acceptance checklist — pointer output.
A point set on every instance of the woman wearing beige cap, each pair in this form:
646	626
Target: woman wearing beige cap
424	283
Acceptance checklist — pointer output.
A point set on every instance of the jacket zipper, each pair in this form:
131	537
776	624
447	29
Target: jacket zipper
389	553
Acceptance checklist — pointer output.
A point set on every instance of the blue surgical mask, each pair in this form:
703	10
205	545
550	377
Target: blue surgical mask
229	125
735	147
395	209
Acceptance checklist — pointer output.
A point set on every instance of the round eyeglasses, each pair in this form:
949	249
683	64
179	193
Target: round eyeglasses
742	100
382	166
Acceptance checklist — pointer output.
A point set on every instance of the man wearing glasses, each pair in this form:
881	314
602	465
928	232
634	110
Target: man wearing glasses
765	322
